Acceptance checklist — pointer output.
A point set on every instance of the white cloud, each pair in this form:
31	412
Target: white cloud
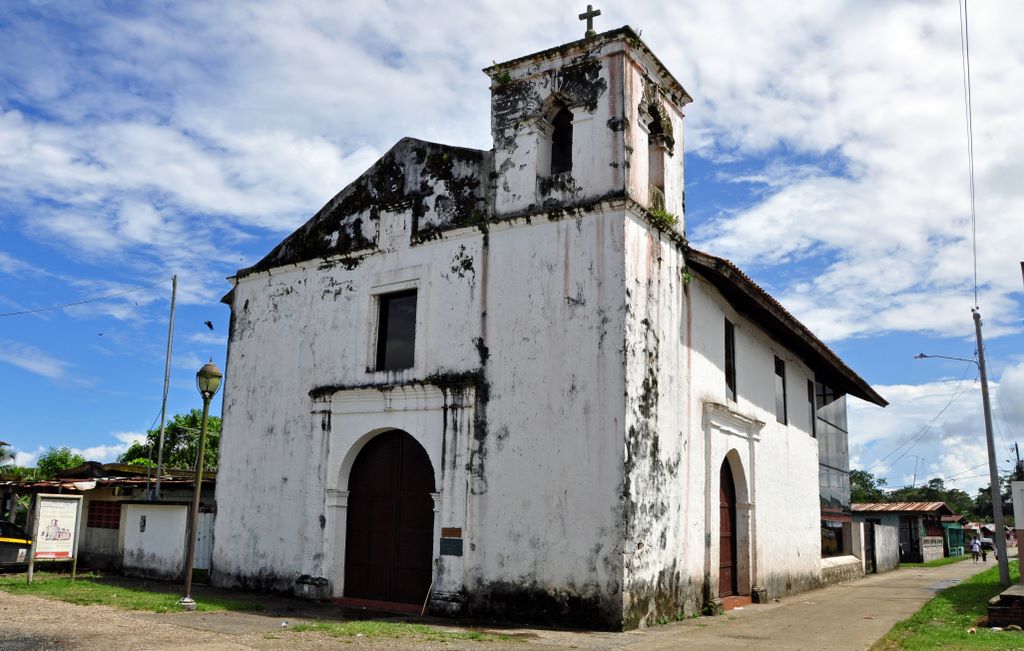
108	452
33	360
208	338
101	452
953	446
27	459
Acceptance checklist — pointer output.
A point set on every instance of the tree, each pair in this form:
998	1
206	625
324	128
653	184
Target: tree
983	501
181	443
866	488
6	455
54	460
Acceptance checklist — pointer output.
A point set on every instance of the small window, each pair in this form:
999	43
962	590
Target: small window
780	391
730	361
811	412
561	142
656	155
396	331
104	515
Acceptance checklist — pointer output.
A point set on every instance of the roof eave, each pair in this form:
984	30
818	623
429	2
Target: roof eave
720	272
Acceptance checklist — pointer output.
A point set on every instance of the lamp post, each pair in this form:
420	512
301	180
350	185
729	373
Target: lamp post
207	381
999	537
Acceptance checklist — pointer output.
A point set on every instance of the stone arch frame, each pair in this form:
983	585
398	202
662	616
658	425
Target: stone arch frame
345	467
337	501
730	437
351	418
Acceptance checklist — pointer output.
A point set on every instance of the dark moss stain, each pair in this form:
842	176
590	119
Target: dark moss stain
404	179
525	600
482	351
462	264
557	184
671	595
581	83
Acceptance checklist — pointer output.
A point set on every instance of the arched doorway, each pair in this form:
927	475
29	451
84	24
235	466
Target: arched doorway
727	556
390	523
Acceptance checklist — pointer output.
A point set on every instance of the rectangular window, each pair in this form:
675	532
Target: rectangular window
730	361
780	391
104	515
396	331
811	412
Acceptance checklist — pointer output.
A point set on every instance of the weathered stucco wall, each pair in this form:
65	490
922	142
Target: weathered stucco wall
782	465
155	549
527	316
680	428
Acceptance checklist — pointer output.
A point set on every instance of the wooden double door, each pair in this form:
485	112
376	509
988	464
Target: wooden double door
390	524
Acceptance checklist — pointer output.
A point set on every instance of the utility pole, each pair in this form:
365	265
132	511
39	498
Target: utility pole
1018	475
167	379
993	470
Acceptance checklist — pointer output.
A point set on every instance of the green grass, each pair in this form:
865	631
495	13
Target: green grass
939	562
372	628
91	589
944	621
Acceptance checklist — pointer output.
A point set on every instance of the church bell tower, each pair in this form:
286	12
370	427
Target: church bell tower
594	119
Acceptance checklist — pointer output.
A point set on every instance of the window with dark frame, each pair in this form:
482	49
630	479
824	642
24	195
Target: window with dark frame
780	391
561	142
396	330
104	515
812	412
730	361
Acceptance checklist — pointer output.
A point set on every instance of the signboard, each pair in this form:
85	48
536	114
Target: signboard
56	527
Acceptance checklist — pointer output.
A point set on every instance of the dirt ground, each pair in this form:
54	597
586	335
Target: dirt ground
29	623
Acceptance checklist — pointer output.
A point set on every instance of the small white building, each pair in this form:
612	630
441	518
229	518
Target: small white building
504	377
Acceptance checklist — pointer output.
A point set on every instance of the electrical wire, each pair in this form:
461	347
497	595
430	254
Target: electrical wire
84	301
965	60
918	436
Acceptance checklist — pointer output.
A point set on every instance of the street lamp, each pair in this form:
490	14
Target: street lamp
207	381
999	537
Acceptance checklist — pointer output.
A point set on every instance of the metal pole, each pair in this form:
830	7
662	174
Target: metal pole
187	601
993	470
167	378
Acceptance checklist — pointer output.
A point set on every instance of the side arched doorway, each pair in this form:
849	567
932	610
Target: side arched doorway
390	523
728	561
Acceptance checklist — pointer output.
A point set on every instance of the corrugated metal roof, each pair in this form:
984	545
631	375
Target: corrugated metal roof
919	507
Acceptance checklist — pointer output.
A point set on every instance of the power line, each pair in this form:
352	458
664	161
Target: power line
916	438
965	60
83	301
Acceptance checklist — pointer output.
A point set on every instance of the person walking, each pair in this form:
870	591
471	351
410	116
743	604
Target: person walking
975	548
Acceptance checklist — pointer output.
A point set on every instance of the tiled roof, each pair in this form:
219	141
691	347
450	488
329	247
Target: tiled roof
747	296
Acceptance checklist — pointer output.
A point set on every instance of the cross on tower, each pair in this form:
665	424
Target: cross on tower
589	16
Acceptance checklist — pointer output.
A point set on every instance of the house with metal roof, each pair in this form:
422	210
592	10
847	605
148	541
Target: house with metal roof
922	536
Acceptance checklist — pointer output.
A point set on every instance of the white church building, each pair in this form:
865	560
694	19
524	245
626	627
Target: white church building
504	379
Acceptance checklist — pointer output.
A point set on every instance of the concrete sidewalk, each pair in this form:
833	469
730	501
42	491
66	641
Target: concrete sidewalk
846	616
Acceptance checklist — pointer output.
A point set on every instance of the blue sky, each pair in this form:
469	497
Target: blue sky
826	156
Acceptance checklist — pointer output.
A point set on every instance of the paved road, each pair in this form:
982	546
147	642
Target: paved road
848	616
